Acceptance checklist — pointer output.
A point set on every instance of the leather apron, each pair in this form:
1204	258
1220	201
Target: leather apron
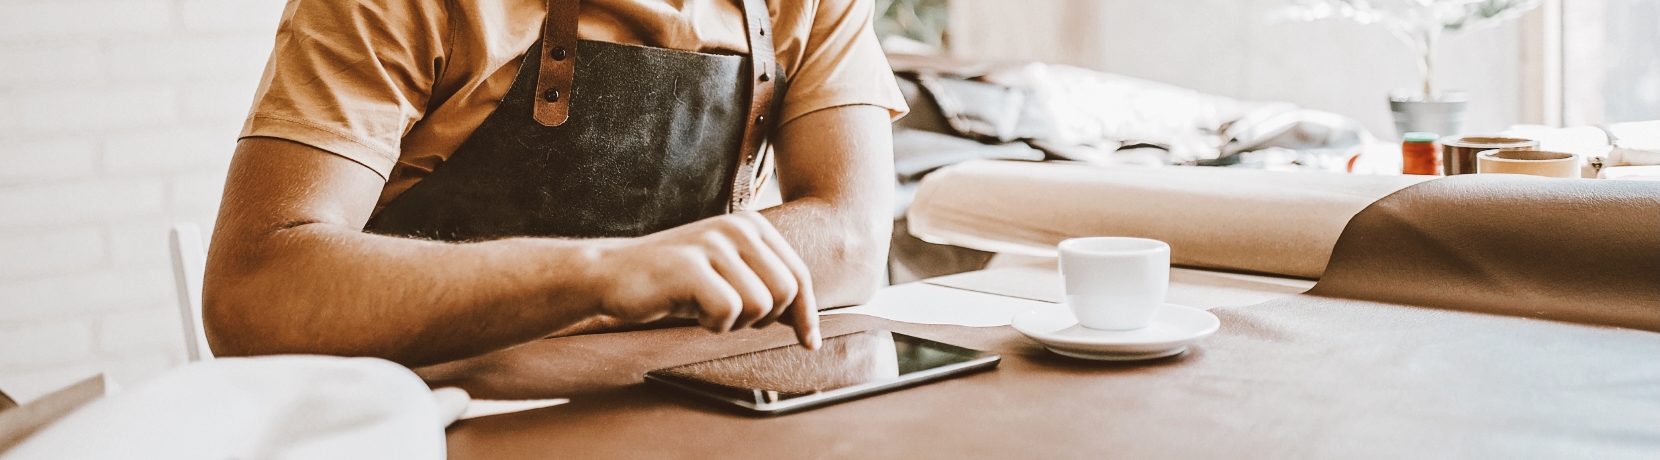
597	139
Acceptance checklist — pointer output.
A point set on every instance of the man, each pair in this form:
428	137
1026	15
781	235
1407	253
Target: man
425	181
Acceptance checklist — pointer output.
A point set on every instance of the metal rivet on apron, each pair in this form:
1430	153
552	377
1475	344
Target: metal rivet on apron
558	53
765	77
552	95
760	119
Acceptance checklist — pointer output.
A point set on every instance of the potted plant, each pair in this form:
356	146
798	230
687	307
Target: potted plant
1421	24
913	26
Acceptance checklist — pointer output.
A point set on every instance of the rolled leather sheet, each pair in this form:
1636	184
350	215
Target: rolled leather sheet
1282	223
1424	339
1579	250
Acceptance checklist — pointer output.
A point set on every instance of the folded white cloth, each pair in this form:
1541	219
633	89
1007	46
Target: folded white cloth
1650	172
1632	154
283	407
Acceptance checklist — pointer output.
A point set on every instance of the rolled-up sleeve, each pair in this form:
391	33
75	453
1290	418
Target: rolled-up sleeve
841	63
350	77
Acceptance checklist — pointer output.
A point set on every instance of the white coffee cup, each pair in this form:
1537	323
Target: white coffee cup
1115	283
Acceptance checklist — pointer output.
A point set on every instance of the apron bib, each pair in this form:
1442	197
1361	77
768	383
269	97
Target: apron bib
612	141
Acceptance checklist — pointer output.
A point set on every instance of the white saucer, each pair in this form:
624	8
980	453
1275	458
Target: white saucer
1173	328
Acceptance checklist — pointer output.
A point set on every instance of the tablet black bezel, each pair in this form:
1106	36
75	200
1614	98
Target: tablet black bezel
975	360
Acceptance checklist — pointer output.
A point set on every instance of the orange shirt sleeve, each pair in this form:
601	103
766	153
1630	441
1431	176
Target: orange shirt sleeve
350	76
841	63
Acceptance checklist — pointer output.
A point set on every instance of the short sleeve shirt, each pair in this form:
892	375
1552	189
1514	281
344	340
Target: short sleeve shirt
397	85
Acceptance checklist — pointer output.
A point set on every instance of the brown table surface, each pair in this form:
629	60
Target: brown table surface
1275	383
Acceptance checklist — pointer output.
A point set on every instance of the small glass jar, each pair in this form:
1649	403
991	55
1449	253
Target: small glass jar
1418	155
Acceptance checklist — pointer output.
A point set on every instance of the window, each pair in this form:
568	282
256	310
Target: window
1621	63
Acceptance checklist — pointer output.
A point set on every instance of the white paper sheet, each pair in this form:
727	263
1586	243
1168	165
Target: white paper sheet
924	303
487	407
1201	289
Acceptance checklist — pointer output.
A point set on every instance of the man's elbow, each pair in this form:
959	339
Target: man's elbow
864	257
228	333
237	321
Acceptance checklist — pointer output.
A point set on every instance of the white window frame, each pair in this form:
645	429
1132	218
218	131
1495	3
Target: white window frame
1542	67
1563	63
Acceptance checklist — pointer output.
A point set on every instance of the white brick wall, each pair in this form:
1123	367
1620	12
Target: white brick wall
58	62
117	120
26	20
66	251
46	160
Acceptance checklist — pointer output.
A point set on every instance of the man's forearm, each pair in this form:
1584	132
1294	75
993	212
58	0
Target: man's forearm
835	172
325	289
290	271
845	249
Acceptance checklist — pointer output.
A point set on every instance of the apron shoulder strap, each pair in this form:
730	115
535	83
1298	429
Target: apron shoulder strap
553	82
758	24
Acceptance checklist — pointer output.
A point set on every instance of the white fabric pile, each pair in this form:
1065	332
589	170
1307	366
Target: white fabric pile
289	407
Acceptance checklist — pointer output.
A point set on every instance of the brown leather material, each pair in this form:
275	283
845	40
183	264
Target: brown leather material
1230	219
1357	371
655	142
1305	377
651	148
554	84
764	73
1579	250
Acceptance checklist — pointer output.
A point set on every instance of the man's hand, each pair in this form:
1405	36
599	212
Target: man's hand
728	272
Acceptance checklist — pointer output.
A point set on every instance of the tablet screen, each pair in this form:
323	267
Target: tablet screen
845	361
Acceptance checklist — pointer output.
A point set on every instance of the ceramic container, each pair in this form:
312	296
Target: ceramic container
1115	283
1530	162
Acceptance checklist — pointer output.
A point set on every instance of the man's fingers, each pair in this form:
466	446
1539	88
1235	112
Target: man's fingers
781	282
719	305
805	320
803	312
756	298
782	248
806	324
737	271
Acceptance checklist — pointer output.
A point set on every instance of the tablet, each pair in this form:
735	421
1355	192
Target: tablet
791	378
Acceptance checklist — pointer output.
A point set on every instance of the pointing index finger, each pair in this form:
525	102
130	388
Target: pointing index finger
803	310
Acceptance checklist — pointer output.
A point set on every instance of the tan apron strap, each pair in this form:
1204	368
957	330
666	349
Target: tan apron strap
762	65
553	83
